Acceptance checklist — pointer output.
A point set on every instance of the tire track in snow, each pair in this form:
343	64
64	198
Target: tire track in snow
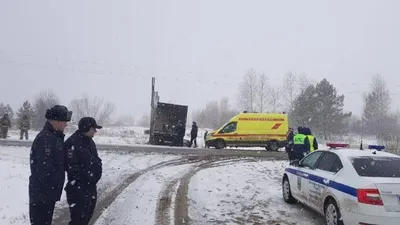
64	215
179	187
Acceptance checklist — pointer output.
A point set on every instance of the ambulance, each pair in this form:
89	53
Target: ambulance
267	130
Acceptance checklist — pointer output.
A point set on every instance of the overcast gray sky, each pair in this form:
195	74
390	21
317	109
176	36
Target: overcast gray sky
198	50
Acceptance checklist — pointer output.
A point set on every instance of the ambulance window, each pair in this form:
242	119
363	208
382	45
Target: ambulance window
229	128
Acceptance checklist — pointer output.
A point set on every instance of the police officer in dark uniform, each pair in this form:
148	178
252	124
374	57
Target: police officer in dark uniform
47	166
289	143
84	169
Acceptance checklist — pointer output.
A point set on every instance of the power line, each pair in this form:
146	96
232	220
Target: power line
118	65
137	75
111	73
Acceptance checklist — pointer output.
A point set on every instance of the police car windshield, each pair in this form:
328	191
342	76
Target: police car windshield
374	166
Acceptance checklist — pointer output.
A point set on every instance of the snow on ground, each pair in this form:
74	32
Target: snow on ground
137	203
134	135
243	193
14	175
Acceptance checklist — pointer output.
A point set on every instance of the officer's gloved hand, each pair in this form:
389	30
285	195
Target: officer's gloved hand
95	172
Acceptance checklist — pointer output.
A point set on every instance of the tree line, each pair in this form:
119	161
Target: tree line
96	107
317	105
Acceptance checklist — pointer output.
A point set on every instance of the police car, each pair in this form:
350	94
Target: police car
347	186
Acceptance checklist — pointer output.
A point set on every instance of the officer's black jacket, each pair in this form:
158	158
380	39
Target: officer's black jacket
47	166
83	165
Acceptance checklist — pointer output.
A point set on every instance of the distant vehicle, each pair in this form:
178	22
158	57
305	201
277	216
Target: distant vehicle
347	186
267	130
168	119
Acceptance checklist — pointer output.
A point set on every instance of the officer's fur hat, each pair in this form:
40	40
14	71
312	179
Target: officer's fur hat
58	113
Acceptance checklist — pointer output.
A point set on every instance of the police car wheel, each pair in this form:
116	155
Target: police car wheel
287	194
332	213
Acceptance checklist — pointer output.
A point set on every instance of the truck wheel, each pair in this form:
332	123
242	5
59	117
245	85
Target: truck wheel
273	146
219	144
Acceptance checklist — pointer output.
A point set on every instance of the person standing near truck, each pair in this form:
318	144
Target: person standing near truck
193	134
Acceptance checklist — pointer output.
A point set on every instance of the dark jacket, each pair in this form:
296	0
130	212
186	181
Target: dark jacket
83	164
5	122
194	131
47	166
289	140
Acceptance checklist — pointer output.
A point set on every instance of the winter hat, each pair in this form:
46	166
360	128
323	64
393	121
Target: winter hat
86	123
59	113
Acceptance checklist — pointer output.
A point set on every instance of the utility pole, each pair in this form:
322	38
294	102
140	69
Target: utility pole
362	123
152	105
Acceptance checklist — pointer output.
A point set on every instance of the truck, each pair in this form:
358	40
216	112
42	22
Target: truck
267	130
169	124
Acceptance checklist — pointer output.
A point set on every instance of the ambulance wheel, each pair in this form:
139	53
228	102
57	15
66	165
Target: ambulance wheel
286	192
219	144
332	212
273	146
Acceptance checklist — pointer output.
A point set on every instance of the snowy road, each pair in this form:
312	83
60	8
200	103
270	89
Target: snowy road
160	189
168	150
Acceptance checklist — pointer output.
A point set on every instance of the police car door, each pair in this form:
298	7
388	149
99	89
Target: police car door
325	170
306	165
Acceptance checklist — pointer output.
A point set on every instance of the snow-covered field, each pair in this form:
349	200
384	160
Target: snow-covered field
232	191
133	135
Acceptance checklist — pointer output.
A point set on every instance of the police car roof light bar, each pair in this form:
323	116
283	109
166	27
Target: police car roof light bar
337	145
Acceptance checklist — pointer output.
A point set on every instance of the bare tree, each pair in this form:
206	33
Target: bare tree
262	92
376	107
215	114
275	98
289	90
44	100
248	91
292	86
144	121
96	108
125	120
302	83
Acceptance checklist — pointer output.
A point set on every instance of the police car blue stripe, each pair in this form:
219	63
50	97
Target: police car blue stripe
332	184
